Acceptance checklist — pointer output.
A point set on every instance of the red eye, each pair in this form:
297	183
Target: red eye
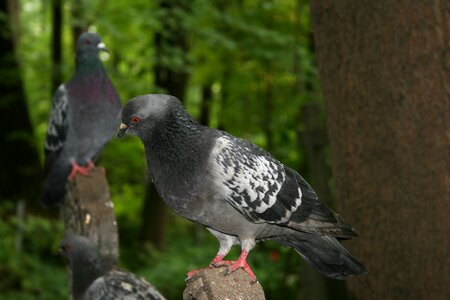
135	120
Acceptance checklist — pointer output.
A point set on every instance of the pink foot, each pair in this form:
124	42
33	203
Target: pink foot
222	263
191	274
241	262
90	165
76	168
216	259
216	262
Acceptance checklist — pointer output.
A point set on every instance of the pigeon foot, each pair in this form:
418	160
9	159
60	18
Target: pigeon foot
241	262
191	274
219	262
216	262
222	263
76	168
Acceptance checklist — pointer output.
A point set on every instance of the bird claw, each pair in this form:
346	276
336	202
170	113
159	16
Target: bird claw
221	263
191	274
241	263
232	266
76	168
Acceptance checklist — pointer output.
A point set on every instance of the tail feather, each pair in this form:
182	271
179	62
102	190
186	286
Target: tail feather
324	253
54	186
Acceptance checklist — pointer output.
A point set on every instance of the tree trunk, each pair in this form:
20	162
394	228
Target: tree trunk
173	79
89	211
213	284
384	67
205	105
267	122
13	11
77	24
312	138
57	44
20	170
154	216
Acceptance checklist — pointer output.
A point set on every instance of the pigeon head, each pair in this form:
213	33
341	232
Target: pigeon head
78	249
88	46
86	263
143	114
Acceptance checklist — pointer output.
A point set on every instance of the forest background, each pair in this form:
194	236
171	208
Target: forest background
376	150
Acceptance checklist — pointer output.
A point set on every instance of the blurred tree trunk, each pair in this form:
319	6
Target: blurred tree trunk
57	14
205	105
267	122
384	67
77	24
269	95
13	8
20	170
172	77
312	138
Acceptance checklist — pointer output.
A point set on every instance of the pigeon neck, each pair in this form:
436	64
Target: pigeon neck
84	271
174	150
88	63
173	137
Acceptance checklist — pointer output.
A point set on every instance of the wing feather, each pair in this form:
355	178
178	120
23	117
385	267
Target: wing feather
118	284
57	126
266	191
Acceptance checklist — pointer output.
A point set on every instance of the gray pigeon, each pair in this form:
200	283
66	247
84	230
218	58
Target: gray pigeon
94	277
237	190
84	117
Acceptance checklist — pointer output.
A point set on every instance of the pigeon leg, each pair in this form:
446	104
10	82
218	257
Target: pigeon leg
90	165
226	242
76	168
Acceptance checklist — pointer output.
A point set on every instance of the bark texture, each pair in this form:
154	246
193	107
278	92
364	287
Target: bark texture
78	23
212	284
88	211
385	72
57	23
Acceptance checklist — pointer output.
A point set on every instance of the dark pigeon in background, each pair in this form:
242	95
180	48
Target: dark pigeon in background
84	117
237	190
95	277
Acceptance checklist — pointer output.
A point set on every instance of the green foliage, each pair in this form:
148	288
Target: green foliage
34	271
257	59
191	247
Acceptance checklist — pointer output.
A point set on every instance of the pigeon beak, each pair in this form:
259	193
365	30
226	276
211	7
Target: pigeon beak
60	252
102	47
123	130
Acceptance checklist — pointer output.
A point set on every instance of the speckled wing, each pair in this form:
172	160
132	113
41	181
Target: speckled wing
266	191
57	126
118	284
253	181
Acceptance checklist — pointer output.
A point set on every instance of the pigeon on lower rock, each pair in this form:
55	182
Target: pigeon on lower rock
95	278
84	117
237	190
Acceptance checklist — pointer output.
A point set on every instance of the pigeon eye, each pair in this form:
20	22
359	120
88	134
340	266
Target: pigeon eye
135	120
87	42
